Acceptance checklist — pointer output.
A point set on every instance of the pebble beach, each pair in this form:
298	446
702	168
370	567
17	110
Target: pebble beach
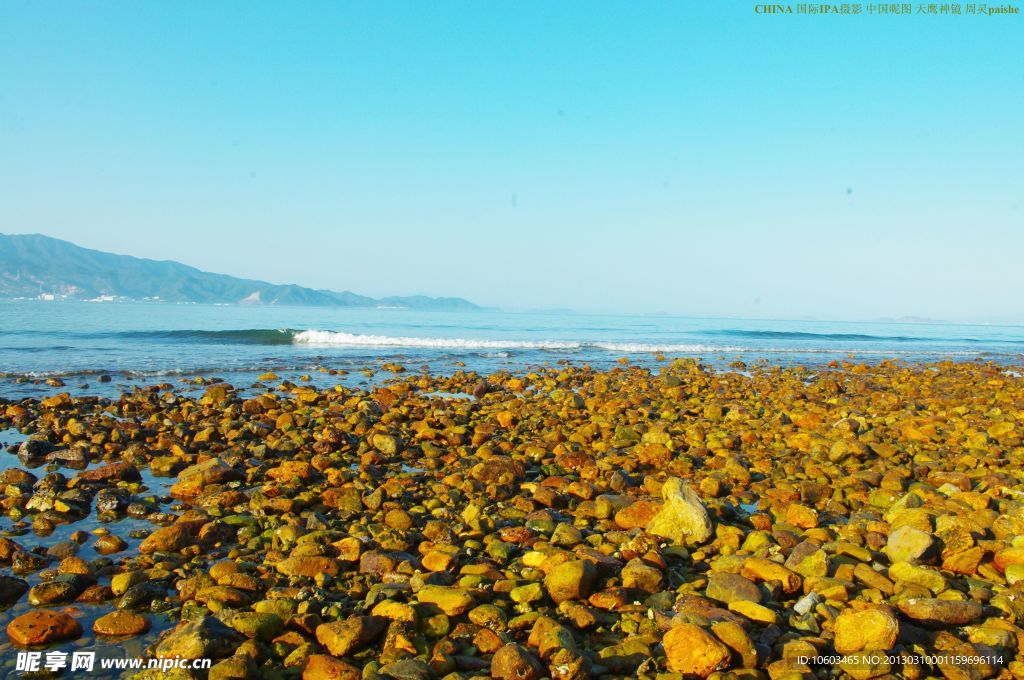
511	341
567	522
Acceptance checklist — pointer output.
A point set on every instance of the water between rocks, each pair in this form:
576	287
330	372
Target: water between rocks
85	613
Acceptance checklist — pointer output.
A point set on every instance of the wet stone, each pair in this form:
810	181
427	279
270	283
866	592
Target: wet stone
42	627
120	623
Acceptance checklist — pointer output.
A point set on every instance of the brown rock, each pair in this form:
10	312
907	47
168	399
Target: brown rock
941	612
642	576
499	469
513	662
612	599
308	566
292	471
200	638
548	636
355	632
377	562
728	588
638	515
167	539
122	470
109	544
193	480
43	627
96	594
808	560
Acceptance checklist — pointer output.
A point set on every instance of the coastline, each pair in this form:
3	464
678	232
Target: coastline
453	523
138	345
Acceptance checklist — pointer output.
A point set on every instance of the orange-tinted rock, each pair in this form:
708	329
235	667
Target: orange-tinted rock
43	627
514	662
638	515
941	612
323	667
693	651
500	469
193	480
867	630
1004	558
438	561
123	471
167	539
802	516
355	632
611	599
761	569
292	471
120	623
308	566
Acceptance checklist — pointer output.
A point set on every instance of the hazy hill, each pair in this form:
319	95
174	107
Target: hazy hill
32	265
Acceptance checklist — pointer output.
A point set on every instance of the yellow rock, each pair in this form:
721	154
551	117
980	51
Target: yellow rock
761	569
753	611
867	630
920	576
396	611
452	601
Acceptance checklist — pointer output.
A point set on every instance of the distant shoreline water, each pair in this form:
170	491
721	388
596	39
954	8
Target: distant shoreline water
139	342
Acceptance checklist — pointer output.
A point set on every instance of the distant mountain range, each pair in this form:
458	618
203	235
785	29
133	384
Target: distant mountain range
37	266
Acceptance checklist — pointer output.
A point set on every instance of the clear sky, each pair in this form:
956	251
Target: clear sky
687	157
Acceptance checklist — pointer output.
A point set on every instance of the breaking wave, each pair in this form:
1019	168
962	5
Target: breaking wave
833	337
823	343
336	338
340	339
313	337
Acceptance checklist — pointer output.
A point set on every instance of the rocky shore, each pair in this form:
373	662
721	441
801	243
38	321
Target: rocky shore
762	522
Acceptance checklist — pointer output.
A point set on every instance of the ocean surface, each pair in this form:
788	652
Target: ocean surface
139	343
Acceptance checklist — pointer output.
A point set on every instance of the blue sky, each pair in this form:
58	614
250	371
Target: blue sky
687	157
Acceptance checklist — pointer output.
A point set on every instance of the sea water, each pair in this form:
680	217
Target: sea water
138	343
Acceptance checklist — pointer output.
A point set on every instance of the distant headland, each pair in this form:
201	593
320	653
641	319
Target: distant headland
35	266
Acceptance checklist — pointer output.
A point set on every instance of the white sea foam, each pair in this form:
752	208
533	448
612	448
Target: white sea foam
639	347
313	337
316	337
341	339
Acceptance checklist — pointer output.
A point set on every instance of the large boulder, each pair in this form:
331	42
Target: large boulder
683	518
